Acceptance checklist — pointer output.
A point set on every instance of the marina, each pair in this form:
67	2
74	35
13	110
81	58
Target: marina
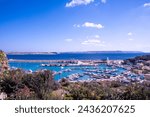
79	67
81	70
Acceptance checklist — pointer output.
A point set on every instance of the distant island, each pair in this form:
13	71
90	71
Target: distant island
53	53
31	53
118	52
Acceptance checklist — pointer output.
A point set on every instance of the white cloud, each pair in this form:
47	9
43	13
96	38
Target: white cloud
76	25
92	25
74	3
130	34
68	40
93	42
104	1
89	25
93	37
147	4
130	39
97	36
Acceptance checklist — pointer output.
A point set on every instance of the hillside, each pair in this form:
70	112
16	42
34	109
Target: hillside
140	65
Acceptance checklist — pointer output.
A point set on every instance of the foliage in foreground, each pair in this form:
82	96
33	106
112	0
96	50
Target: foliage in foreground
113	90
19	85
40	85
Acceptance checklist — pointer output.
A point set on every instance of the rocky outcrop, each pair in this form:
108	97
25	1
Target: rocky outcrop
147	77
3	63
139	65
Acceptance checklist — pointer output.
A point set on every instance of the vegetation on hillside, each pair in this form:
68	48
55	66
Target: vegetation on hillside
138	59
139	65
41	86
19	85
111	90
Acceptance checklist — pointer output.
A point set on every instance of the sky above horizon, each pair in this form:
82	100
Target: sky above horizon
74	25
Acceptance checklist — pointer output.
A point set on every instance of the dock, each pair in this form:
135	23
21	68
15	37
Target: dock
55	61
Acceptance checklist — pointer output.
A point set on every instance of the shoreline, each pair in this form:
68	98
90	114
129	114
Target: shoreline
93	74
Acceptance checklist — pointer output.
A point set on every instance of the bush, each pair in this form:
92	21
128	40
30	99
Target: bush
20	85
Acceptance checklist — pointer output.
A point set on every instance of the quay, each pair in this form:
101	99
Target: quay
71	64
55	61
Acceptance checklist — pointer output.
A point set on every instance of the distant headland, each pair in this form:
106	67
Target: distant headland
31	53
53	53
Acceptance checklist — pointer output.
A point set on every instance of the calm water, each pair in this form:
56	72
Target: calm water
80	70
80	56
67	56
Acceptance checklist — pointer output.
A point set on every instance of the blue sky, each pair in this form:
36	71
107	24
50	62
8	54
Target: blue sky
74	25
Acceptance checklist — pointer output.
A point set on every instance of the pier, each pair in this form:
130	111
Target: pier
55	61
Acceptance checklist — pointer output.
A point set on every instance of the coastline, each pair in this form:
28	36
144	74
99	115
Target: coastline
110	72
88	75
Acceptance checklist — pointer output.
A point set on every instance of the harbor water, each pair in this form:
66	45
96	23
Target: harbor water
76	72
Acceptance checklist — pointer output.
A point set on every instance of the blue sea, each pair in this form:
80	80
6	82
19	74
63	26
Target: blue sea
79	56
70	56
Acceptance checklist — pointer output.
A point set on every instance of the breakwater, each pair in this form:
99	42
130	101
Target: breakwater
55	61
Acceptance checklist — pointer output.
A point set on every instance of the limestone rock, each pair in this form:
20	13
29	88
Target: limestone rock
3	63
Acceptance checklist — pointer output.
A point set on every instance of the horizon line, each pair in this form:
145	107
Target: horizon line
74	51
